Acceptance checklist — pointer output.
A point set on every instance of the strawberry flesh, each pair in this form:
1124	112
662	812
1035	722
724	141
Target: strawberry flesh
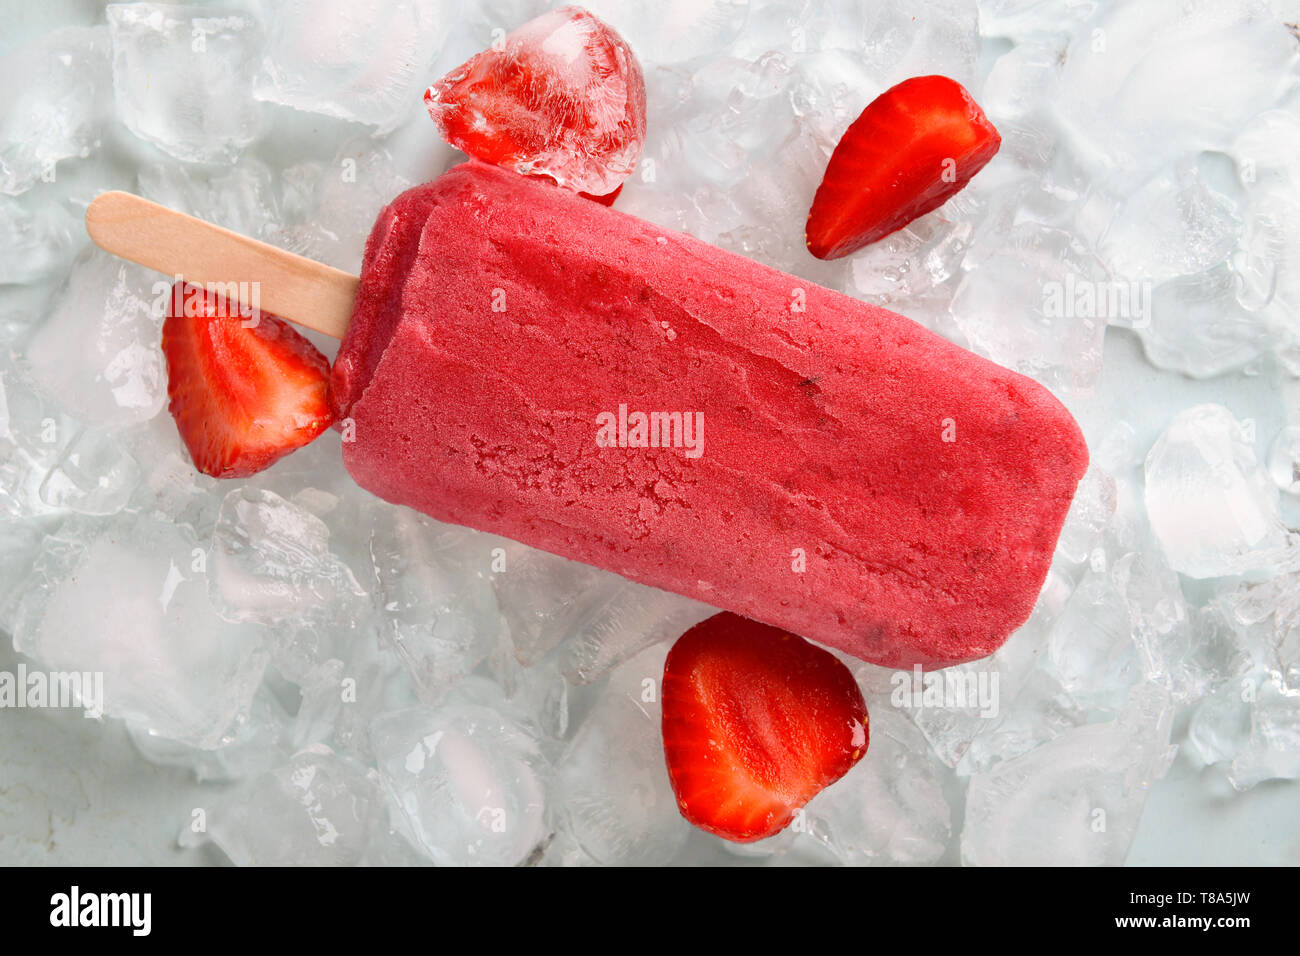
562	96
912	148
756	722
244	389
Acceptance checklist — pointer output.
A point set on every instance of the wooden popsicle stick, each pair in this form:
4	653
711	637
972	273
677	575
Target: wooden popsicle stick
290	286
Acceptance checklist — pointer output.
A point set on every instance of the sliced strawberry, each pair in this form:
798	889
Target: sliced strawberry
244	390
562	96
756	722
912	148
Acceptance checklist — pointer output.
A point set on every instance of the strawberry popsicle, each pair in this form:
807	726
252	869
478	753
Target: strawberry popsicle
531	363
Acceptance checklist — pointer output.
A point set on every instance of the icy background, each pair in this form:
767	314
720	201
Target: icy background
298	672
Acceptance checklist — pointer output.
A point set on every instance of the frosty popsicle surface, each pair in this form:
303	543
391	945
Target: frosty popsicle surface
823	465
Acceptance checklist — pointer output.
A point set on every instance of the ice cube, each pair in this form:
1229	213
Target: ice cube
1027	19
345	197
20	543
39	243
1265	618
1176	224
1092	652
342	696
183	78
436	599
1220	726
368	62
1212	505
612	782
634	617
319	809
469	783
259	746
1198	326
1093	506
674	30
54	105
1040	712
33	434
1284	460
1146	83
126	598
891	807
1075	800
1182	648
271	561
94	475
98	354
1055	332
1273	752
242	199
543	596
887	37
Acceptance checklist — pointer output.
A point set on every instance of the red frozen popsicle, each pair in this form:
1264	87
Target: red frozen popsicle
823	465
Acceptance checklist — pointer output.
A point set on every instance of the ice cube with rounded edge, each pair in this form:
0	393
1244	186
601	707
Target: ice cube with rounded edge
126	598
1176	224
1091	651
1211	504
260	745
1284	460
319	809
98	354
1220	725
1056	337
888	37
33	434
54	105
891	807
183	78
367	61
1273	750
611	781
1093	506
1197	325
342	197
1147	83
674	31
39	242
240	198
435	597
469	783
1075	800
94	475
271	563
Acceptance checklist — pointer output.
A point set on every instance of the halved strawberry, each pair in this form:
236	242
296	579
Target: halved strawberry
756	722
561	96
912	148
244	390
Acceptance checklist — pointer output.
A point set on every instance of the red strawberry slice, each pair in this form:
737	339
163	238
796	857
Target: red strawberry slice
756	722
245	390
561	96
912	148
